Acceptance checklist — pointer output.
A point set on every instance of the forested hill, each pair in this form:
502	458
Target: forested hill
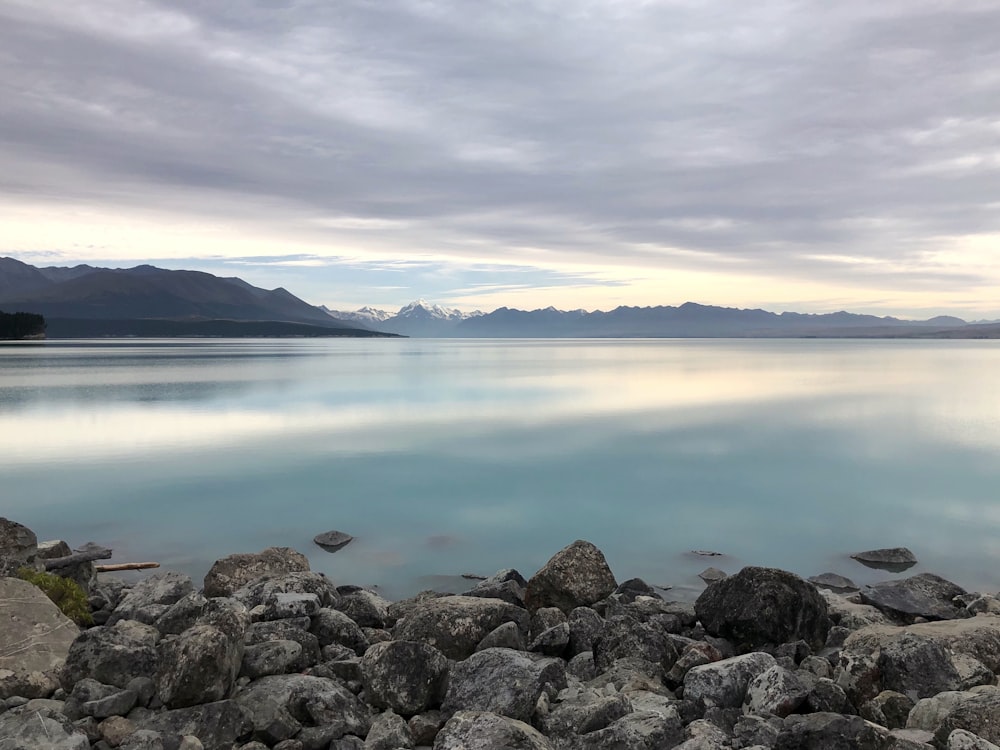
21	325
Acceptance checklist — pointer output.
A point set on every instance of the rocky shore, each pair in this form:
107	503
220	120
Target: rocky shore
268	654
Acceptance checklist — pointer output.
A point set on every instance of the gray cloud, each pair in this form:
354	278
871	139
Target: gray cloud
775	133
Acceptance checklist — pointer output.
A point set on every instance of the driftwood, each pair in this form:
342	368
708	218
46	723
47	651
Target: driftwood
87	555
114	567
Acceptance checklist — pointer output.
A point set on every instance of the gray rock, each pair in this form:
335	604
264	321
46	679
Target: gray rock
389	731
888	709
582	712
928	713
756	730
551	642
694	655
895	559
761	606
271	657
482	730
576	576
776	691
231	573
908	739
582	666
978	637
834	582
637	730
151	597
27	684
425	727
827	731
331	626
917	666
18	547
26	728
85	691
979	715
704	735
456	624
963	740
283	606
971	671
117	704
925	595
112	655
218	725
366	608
407	677
711	575
724	683
509	591
293	629
181	615
585	626
36	636
857	673
507	635
115	730
198	666
503	681
625	637
332	541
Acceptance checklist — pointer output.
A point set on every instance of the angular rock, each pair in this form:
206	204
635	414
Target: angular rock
928	713
112	655
26	728
198	666
585	626
482	730
776	691
979	715
582	712
576	576
407	677
389	731
638	730
979	637
283	606
231	573
271	657
756	730
694	655
151	597
116	704
182	614
761	606
332	626
509	591
724	683
834	582
116	729
218	725
625	637
366	608
503	681
262	591
296	630
850	615
704	735
35	636
551	642
925	595
888	709
827	696
507	635
917	666
827	731
425	727
895	559
456	624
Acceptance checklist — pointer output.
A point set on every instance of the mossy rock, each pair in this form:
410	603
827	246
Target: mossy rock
64	593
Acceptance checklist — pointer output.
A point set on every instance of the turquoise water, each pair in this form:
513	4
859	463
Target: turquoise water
446	456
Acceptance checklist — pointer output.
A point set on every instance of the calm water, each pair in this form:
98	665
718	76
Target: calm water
446	457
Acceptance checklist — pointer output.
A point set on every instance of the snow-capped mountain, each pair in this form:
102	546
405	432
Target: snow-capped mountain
366	316
423	310
418	318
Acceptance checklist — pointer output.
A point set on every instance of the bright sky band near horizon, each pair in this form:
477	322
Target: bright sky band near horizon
789	155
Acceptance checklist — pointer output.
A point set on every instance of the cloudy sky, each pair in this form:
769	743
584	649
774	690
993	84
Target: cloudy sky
795	154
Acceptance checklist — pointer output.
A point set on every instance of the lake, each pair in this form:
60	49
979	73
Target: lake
445	457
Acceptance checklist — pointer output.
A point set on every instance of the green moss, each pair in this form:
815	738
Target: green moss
64	593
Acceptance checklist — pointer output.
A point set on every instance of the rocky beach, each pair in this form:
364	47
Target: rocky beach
264	653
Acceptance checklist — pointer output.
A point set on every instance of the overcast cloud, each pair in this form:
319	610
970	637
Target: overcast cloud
779	154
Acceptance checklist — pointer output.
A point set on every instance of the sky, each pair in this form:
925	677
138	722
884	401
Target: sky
784	154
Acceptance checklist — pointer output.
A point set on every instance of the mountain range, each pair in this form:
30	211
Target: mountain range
85	300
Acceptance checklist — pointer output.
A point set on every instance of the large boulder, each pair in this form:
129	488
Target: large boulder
581	712
724	684
503	681
456	624
776	691
482	730
219	725
917	666
979	714
406	676
152	597
30	728
18	547
113	655
925	595
271	594
198	666
624	637
576	576
764	606
978	637
231	573
35	636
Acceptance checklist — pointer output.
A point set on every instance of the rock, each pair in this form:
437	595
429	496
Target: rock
18	547
827	731
928	713
962	740
971	671
551	642
182	614
25	728
509	591
638	730
978	637
761	606
218	725
284	606
407	677
27	684
507	635
925	595
888	708
85	691
117	704
330	626
544	618
292	629
776	691
366	608
894	559
503	681
231	573
263	591
198	666
908	739
115	730
851	615
482	730
582	712
151	597
917	666
389	731
711	575
576	576
694	655
271	657
456	624
756	730
724	683
704	735
979	715
834	582
425	727
585	626
625	637
36	636
112	655
331	541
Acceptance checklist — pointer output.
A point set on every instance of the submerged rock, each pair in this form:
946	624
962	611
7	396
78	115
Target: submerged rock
894	559
833	582
331	541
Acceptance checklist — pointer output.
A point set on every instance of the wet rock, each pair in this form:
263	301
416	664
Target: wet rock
979	715
36	636
331	626
834	582
826	731
724	683
503	681
456	624
576	576
925	595
760	606
231	573
151	597
198	666
407	677
917	666
218	725
25	728
112	655
482	730
894	559
776	691
366	608
332	541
